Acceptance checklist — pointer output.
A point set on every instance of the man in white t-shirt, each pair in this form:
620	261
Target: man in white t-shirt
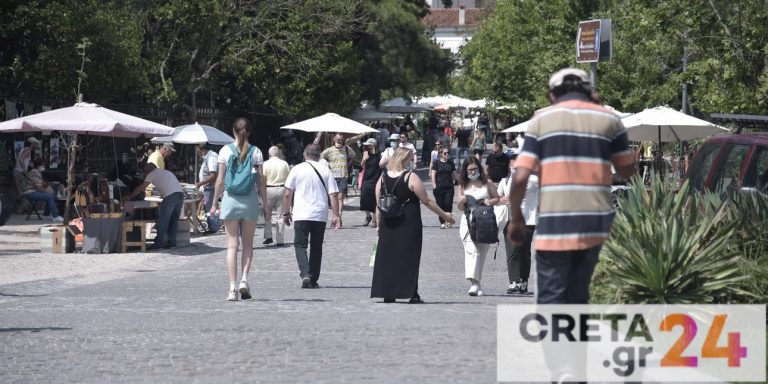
170	208
309	187
209	170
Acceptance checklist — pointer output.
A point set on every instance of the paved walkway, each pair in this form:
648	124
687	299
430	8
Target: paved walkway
163	318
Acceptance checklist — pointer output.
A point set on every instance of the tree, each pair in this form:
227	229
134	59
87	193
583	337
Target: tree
39	59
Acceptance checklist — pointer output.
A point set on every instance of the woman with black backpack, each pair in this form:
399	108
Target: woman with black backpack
475	189
398	254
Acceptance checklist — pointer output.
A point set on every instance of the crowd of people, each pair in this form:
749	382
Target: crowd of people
550	198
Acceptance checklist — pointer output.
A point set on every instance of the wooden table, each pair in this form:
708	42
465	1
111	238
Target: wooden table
191	206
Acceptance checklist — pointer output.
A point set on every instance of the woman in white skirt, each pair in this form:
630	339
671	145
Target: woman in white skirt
473	182
239	212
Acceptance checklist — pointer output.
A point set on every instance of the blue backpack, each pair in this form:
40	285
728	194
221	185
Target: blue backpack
239	178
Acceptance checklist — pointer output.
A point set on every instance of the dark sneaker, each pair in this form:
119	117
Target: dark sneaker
306	283
267	241
314	285
524	287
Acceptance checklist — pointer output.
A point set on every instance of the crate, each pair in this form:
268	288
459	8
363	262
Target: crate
182	234
54	239
133	234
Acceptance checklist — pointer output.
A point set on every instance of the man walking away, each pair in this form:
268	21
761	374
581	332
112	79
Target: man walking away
462	145
275	172
573	142
207	183
309	187
339	157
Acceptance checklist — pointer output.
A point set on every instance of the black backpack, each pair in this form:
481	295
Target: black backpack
483	228
389	205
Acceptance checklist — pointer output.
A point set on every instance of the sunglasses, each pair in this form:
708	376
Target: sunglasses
472	170
444	153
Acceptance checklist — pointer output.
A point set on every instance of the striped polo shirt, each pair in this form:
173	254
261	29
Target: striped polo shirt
574	141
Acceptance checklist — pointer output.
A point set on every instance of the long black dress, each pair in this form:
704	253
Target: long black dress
398	254
368	189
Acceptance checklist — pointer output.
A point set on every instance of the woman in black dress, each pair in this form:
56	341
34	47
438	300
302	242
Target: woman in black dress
398	254
370	175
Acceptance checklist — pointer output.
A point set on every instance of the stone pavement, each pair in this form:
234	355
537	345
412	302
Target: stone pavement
169	322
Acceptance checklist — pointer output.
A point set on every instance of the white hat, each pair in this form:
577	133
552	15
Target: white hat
33	140
557	79
394	136
169	146
370	141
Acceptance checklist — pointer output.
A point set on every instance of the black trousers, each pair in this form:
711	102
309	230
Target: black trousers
564	276
519	257
444	199
309	233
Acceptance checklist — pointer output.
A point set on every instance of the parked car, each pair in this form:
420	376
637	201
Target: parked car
731	162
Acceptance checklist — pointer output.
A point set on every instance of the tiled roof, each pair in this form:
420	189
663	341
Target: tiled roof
449	17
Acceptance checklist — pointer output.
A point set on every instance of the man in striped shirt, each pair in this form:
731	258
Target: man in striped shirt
573	142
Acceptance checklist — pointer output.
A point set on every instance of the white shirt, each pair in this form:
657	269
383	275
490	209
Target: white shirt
22	165
310	198
530	203
225	153
210	164
164	180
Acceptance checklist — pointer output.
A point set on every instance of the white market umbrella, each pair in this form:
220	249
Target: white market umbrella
401	105
331	122
518	128
370	114
85	118
664	124
196	134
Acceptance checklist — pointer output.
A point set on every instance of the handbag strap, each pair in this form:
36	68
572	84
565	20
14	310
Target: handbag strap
318	175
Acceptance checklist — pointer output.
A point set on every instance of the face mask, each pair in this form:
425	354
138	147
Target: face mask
393	144
474	176
41	168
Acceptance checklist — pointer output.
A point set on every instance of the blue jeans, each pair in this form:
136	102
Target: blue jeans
48	198
168	219
309	233
214	224
461	154
564	276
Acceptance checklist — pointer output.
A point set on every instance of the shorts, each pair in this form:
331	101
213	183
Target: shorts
341	182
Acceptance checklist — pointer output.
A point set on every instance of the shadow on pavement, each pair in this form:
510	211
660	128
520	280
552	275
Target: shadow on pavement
41	329
347	287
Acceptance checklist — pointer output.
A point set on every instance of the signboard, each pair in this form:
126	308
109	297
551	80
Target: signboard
588	42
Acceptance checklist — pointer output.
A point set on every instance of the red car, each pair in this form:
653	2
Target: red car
733	162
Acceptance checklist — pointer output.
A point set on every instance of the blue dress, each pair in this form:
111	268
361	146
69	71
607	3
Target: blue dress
241	207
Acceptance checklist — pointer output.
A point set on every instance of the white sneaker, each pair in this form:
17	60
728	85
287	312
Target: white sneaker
232	295
442	226
474	290
245	292
57	219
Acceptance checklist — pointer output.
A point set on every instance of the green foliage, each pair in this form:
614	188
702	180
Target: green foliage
38	56
295	57
671	248
724	44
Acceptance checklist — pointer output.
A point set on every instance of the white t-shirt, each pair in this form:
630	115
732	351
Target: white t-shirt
210	164
225	153
164	180
310	198
530	203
